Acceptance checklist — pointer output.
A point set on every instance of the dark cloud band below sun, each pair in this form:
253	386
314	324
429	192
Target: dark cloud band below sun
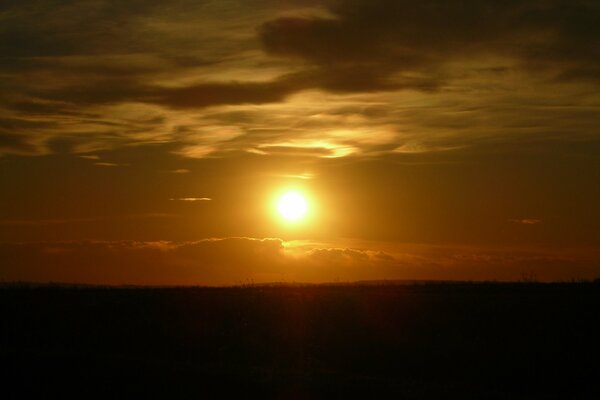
231	261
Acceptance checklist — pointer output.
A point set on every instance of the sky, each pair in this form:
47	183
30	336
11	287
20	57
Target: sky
147	142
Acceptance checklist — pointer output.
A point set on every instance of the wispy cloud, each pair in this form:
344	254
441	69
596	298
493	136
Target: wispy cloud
110	164
526	221
191	199
303	176
399	74
421	148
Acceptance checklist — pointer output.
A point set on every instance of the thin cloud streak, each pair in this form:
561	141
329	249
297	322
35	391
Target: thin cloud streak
526	221
109	164
191	199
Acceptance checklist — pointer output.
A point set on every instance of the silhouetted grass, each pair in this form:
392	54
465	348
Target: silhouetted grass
419	340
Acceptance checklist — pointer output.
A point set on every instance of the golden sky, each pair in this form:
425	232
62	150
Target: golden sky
148	141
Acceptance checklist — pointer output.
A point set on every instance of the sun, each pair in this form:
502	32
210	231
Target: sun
292	206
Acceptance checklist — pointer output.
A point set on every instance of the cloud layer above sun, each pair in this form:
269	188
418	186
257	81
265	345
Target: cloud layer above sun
314	79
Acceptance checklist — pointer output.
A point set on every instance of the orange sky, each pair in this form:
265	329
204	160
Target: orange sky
434	140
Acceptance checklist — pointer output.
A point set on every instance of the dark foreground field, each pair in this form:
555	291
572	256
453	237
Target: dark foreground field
481	341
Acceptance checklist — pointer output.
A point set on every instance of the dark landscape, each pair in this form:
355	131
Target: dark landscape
413	341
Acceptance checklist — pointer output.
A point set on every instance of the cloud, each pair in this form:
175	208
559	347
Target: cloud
311	149
337	256
420	148
192	199
387	73
526	221
209	261
212	94
304	176
369	42
225	261
16	144
109	164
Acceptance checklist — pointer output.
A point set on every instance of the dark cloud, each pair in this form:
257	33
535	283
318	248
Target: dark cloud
211	94
364	46
234	260
114	89
12	124
357	78
59	28
16	137
210	261
36	108
369	41
204	262
84	76
16	144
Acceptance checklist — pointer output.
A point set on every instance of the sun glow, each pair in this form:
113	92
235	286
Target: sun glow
292	206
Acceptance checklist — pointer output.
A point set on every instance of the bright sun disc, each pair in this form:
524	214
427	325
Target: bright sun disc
292	206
